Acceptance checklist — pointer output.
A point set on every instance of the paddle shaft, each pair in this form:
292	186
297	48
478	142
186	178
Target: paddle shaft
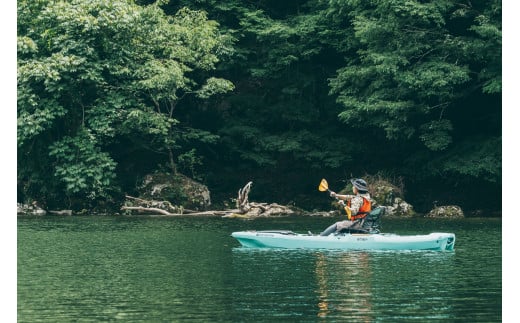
325	186
339	200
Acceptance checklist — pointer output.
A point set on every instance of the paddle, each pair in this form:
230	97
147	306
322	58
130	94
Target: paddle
324	186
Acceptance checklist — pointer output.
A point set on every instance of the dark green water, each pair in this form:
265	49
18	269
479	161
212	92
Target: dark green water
180	269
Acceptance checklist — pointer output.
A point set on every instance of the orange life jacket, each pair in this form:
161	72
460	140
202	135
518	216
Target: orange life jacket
363	210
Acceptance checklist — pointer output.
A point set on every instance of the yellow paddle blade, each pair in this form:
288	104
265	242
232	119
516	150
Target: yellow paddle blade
324	186
349	212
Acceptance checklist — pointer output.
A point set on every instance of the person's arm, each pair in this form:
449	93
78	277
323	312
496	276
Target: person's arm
343	197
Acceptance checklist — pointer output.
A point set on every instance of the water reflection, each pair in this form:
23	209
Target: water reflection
344	286
323	288
357	285
175	269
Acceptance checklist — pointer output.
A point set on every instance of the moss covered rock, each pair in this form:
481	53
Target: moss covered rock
177	189
400	208
446	211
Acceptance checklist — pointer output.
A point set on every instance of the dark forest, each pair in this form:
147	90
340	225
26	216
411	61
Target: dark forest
281	93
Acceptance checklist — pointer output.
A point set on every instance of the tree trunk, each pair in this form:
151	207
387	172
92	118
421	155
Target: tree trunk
172	162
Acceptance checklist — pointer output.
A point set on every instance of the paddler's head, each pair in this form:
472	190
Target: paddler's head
359	186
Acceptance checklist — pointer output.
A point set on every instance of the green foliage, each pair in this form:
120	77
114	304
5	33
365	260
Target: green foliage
215	86
400	72
113	70
436	134
482	160
82	167
277	92
410	66
189	161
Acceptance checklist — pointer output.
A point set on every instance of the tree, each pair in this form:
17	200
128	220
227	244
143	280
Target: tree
94	75
416	85
342	87
411	69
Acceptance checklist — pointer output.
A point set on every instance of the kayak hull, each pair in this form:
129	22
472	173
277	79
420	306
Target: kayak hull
345	241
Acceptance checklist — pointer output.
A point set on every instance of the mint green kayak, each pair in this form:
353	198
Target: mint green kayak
345	241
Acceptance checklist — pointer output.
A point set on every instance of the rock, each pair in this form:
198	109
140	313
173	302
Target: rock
30	209
177	189
385	193
399	208
446	211
391	196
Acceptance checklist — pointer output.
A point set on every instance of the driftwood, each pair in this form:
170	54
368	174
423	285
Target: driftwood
156	211
146	209
244	208
30	209
153	207
262	210
61	212
252	209
243	198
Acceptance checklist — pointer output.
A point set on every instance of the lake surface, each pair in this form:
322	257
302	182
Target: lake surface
164	269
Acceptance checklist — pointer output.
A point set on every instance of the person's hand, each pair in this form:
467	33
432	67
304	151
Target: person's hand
333	194
341	202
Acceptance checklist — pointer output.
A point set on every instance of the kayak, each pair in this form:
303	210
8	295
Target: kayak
345	241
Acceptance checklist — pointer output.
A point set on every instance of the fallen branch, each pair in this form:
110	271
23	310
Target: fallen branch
146	209
152	210
61	212
152	205
244	208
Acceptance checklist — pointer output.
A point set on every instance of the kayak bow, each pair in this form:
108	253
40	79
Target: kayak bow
345	241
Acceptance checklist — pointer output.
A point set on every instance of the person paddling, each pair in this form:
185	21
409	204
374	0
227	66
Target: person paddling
358	204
